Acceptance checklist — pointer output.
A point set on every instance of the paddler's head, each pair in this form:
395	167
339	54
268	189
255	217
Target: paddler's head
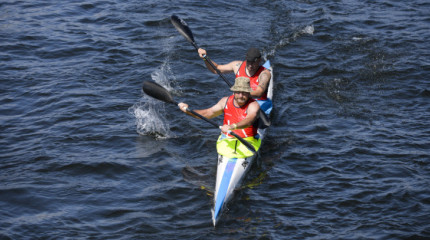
253	59
242	90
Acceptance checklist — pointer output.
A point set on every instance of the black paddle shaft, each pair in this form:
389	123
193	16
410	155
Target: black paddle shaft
158	92
185	31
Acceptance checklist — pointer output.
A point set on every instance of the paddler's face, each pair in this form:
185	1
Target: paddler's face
253	66
241	97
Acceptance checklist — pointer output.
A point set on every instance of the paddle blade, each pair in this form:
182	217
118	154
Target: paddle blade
157	91
182	28
263	120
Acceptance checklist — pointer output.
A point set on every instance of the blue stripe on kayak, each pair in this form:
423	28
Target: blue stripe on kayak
222	191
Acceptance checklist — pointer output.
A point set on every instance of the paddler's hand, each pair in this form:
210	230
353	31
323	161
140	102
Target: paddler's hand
202	53
225	128
183	107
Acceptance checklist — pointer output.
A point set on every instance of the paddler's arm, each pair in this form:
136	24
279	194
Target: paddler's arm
253	109
224	68
211	112
263	84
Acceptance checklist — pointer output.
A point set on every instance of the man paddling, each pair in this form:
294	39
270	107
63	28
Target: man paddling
240	110
259	76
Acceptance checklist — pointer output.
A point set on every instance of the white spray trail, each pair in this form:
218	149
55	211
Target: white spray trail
308	30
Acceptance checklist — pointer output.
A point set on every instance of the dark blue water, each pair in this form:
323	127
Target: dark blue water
85	155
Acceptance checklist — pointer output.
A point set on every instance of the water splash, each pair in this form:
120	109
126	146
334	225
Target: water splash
150	118
150	113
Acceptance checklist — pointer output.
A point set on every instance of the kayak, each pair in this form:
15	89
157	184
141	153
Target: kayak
234	162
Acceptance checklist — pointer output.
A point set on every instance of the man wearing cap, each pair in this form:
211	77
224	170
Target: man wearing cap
240	110
259	76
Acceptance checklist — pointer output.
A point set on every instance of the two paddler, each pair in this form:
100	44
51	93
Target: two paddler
259	76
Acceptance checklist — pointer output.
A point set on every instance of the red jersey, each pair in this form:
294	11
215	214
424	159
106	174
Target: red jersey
253	79
234	114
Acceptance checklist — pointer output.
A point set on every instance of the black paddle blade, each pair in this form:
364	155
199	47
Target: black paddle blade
263	120
183	28
157	91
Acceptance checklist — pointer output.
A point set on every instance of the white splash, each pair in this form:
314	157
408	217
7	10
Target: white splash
150	113
150	118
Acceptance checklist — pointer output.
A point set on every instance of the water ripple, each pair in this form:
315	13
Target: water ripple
84	154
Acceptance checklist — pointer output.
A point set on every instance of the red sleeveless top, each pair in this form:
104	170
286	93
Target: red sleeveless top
253	79
234	114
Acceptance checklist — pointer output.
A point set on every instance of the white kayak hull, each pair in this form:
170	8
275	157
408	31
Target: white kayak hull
230	174
232	171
